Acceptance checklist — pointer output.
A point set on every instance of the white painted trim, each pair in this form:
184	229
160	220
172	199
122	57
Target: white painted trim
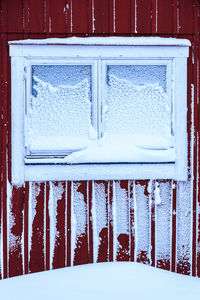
86	51
99	172
180	120
111	40
17	115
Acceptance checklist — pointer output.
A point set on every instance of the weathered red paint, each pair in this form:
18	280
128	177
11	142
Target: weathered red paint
37	262
15	234
47	18
173	254
69	187
103	251
132	221
60	249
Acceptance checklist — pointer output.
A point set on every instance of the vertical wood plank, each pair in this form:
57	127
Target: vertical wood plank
110	218
133	13
69	16
90	221
154	16
69	189
122	16
4	152
173	230
59	243
198	170
13	15
37	198
143	241
175	17
163	196
58	24
184	228
152	208
122	220
26	222
101	220
35	15
1	150
81	16
165	16
16	211
186	24
144	17
132	219
195	55
80	207
101	16
47	227
196	13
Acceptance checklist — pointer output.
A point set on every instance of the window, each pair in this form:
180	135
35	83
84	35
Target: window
99	108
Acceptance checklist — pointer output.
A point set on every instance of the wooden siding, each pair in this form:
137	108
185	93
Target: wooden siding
55	224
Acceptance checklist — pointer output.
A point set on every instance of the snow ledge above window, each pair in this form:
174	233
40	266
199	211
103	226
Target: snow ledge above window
111	40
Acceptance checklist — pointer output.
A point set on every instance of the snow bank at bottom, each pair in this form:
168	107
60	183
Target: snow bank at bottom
102	281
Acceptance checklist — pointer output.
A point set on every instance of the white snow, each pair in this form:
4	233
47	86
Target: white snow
142	221
125	148
163	214
122	213
184	222
120	280
43	143
138	41
158	199
79	214
55	194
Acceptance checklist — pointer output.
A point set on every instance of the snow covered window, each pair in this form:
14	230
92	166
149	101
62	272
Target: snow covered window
99	108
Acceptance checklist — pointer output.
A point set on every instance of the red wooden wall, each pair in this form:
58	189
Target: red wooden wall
56	224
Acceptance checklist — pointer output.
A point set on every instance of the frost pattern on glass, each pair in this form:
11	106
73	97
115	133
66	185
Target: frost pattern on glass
141	74
136	101
60	104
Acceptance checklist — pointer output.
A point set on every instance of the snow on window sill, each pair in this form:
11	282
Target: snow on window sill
109	149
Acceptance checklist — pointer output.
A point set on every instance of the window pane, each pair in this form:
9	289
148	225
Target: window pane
60	106
137	101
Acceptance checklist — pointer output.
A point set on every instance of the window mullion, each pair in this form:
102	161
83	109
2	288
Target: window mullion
94	108
100	98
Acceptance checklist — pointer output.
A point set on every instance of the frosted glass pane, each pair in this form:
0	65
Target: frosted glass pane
136	100
141	74
60	104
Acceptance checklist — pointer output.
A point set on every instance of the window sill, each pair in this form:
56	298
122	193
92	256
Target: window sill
122	171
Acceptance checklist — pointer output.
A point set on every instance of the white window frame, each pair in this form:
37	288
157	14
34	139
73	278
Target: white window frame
99	52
